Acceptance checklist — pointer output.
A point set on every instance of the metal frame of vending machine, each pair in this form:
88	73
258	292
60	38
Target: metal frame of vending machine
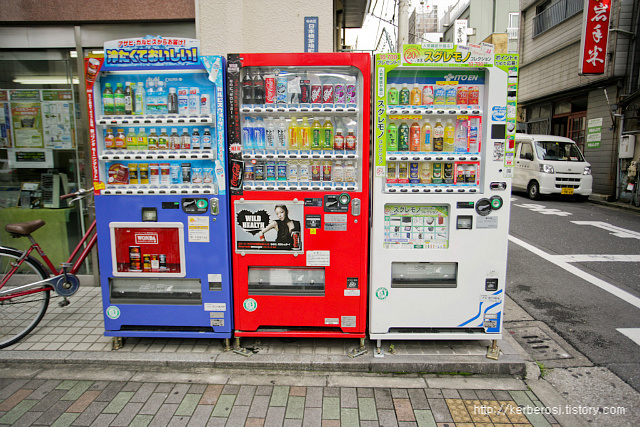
440	218
162	205
300	193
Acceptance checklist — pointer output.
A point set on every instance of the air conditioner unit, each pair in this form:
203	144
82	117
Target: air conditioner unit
53	185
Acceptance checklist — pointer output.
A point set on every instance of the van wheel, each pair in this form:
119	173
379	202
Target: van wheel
533	191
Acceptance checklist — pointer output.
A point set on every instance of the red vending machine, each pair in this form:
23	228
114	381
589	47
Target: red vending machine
299	180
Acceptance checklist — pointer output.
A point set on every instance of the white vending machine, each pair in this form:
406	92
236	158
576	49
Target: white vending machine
445	119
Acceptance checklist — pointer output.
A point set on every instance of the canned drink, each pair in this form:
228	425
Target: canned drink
327	94
316	94
472	174
414	173
154	174
133	173
175	174
350	97
259	171
450	95
165	173
474	95
282	170
270	91
248	172
162	261
392	172
92	69
447	173
143	173
305	91
205	104
403	172
460	174
339	94
155	263
183	100
295	235
437	173
194	101
135	258
462	95
146	262
270	169
316	171
282	95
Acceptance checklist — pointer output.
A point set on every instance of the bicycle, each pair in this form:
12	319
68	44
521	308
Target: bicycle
26	284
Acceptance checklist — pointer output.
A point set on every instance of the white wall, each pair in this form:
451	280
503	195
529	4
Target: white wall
260	26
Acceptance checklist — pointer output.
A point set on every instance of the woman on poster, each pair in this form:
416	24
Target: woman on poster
284	226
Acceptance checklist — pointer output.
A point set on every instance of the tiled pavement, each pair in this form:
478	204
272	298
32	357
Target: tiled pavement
55	402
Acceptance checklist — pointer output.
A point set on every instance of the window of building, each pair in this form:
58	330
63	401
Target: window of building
549	14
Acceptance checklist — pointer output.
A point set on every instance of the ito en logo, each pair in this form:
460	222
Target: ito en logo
113	312
250	305
410	55
382	293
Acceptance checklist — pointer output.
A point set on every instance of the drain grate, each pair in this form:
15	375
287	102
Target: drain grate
539	344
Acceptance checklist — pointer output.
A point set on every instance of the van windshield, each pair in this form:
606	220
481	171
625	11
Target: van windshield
559	151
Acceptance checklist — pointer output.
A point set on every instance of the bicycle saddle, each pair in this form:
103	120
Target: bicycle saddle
24	228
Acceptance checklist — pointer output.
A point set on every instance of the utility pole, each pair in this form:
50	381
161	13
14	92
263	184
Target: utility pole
403	23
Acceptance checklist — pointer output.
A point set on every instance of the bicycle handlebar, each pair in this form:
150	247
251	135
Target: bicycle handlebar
80	193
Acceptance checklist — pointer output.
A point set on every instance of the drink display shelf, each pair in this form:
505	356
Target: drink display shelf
147	189
300	108
319	155
421	156
154	119
299	186
430	188
158	155
430	110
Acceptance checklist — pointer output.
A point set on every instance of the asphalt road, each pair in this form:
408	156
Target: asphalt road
576	267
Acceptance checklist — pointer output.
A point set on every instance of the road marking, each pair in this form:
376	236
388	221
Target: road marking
605	286
542	209
631	333
615	231
597	258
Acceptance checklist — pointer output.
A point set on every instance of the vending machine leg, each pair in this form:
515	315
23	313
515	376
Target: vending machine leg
358	351
241	351
227	344
117	343
494	351
379	350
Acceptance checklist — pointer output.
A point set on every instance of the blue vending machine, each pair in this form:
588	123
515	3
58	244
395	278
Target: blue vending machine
159	172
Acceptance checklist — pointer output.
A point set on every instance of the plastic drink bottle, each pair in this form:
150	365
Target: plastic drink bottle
392	95
195	140
350	142
304	135
416	95
247	134
338	140
451	93
109	140
293	134
152	139
270	135
259	134
460	144
131	140
207	139
172	101
449	136
107	100
403	137
438	137
185	139
143	140
247	89
316	135
161	98
439	95
121	142
163	140
414	137
128	98
474	135
281	134
258	89
139	100
174	139
426	144
327	139
405	95
151	96
118	100
392	137
427	95
425	172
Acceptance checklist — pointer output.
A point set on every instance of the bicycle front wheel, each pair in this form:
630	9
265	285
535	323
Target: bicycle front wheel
20	314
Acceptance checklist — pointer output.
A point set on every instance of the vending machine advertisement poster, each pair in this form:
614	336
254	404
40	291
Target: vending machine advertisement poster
269	227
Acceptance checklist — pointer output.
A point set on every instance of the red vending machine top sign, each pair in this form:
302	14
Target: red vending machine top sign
595	36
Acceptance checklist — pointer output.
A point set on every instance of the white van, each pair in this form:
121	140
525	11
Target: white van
548	164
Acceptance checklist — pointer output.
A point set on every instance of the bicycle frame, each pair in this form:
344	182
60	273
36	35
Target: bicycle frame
89	236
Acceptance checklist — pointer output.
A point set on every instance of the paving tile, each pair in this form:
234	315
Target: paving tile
26	420
331	392
110	392
14	399
474	408
348	397
259	407
238	415
245	395
103	420
292	422
188	405
383	398
178	421
440	410
458	411
65	420
312	417
143	393
404	411
349	417
119	401
152	404
264	390
450	394
418	399
254	422
367	410
211	394
127	414
54	412
399	393
275	416
224	405
434	393
365	392
45	388
387	418
279	396
330	423
177	393
164	414
49	400
467	395
298	391
231	389
295	407
200	416
424	418
217	422
87	416
330	408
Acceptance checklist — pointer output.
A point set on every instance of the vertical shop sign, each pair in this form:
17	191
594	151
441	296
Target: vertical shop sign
595	34
594	133
311	34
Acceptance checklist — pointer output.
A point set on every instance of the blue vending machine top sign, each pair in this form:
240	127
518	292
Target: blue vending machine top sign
310	33
150	51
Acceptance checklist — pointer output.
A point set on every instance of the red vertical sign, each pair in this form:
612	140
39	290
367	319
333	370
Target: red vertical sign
92	66
595	36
